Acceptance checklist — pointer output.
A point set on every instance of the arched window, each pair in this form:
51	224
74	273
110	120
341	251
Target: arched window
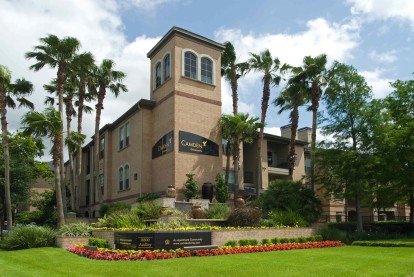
190	65
158	75
126	176
167	67
206	70
121	178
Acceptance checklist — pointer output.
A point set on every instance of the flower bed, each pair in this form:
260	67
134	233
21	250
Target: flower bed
131	255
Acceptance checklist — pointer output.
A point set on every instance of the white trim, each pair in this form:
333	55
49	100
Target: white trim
198	69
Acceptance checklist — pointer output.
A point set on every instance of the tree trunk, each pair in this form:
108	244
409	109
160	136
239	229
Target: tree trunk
61	80
265	104
58	186
226	176
236	167
315	106
233	84
292	152
358	212
99	106
79	146
69	112
6	156
412	207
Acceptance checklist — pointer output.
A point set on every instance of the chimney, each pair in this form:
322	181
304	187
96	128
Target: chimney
304	134
285	131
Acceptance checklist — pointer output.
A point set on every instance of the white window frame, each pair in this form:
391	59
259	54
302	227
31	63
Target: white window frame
212	68
199	57
124	136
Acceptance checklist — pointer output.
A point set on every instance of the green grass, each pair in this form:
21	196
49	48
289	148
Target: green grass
339	261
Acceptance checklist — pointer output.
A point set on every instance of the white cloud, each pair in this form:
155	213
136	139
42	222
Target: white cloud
272	130
385	57
335	40
380	85
99	28
384	9
146	4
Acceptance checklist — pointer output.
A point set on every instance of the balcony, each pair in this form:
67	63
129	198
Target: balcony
278	165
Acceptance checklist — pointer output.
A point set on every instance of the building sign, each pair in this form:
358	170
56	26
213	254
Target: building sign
160	240
164	146
189	142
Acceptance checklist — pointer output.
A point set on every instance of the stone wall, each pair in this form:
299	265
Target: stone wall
65	242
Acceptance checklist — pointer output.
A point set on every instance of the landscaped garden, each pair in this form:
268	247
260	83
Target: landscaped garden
337	261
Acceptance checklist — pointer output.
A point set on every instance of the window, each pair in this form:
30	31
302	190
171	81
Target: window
101	148
127	130
190	65
126	176
121	178
167	67
206	70
158	75
307	165
101	183
124	134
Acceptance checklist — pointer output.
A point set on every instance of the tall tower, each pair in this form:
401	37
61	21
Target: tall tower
186	87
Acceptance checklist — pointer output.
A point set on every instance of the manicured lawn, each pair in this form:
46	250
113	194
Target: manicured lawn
338	261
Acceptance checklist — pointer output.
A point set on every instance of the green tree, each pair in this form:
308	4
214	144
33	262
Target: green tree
286	195
290	99
24	170
400	106
191	187
237	129
82	69
231	70
49	123
8	91
346	99
104	77
313	74
56	53
221	189
269	67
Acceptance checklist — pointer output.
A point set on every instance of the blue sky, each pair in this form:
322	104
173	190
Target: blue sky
375	36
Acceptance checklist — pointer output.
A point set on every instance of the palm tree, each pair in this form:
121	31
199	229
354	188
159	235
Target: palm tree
56	52
104	77
291	98
237	129
19	89
232	71
69	89
314	74
49	123
265	64
82	67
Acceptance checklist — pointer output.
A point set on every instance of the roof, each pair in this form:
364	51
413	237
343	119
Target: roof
271	137
186	34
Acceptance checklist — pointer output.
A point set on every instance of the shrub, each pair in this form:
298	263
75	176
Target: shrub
221	189
287	218
148	197
283	195
191	187
284	240
217	211
332	234
76	229
275	240
124	219
244	217
29	236
265	241
231	243
267	223
100	243
148	210
243	242
293	240
108	209
302	240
